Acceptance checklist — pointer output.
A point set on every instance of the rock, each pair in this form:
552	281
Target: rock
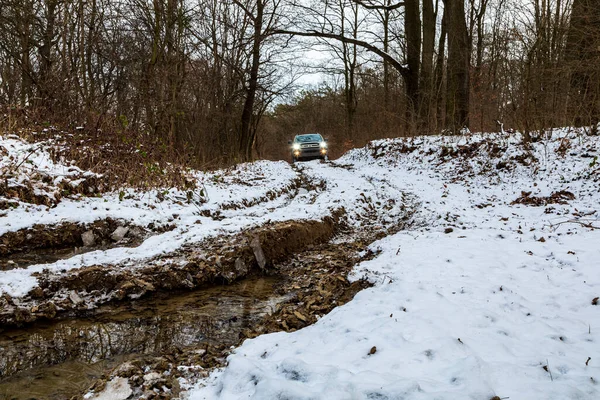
119	233
74	297
47	310
258	252
240	266
127	370
23	315
116	389
151	378
300	316
36	293
88	238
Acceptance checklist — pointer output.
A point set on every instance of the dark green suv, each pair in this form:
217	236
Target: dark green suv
308	147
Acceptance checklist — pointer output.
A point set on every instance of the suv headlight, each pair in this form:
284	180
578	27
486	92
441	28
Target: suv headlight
296	146
323	145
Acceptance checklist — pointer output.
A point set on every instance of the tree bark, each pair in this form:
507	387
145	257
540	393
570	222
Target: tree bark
427	73
412	31
458	69
583	55
248	131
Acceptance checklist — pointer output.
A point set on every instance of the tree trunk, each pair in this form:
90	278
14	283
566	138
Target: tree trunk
439	74
412	30
582	55
458	69
247	128
427	73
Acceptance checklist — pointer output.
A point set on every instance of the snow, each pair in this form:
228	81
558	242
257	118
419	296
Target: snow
480	298
116	389
244	197
478	312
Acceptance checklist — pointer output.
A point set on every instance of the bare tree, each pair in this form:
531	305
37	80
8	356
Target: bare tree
582	54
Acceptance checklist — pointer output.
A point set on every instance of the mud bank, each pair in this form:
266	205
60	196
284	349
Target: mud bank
312	283
69	235
214	261
62	359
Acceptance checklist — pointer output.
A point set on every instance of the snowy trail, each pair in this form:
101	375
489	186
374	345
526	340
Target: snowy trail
484	296
483	299
328	189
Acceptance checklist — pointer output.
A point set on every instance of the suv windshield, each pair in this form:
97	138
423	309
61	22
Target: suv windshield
309	138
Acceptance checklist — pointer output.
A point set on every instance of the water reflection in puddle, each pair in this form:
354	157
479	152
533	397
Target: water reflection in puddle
58	360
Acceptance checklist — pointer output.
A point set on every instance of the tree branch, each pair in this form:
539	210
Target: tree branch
348	40
379	7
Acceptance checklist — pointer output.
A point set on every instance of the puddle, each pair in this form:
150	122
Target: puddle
48	256
32	257
60	359
43	244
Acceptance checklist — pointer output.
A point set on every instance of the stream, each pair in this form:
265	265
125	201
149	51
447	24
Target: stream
60	359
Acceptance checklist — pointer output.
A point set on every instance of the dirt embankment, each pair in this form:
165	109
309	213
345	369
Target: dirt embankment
217	260
66	234
314	281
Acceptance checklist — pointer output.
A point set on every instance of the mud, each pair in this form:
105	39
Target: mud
314	281
68	235
121	323
215	261
62	359
38	256
156	335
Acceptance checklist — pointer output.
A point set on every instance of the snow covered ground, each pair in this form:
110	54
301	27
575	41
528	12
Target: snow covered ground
486	298
240	198
487	295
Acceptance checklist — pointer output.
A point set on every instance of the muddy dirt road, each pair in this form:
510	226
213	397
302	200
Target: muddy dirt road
150	321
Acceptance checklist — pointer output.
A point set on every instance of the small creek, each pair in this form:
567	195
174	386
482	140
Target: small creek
39	256
30	257
60	359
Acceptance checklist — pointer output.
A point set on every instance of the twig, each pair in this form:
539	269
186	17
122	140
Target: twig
585	223
25	159
547	369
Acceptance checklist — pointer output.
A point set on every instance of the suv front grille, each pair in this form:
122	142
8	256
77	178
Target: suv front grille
306	146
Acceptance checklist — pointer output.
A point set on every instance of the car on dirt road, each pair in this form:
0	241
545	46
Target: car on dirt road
308	147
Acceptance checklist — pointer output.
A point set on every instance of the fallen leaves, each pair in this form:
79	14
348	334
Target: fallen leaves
560	197
300	316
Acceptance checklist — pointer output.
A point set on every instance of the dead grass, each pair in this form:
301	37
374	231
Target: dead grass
124	158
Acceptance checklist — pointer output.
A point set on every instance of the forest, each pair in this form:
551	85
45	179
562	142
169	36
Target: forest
216	82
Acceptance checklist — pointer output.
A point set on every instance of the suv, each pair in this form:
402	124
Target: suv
308	147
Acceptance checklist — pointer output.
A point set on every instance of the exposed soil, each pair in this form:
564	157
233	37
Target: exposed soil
69	235
214	261
314	281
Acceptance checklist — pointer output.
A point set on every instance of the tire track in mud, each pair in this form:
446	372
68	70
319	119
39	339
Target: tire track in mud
312	268
63	241
217	260
201	264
